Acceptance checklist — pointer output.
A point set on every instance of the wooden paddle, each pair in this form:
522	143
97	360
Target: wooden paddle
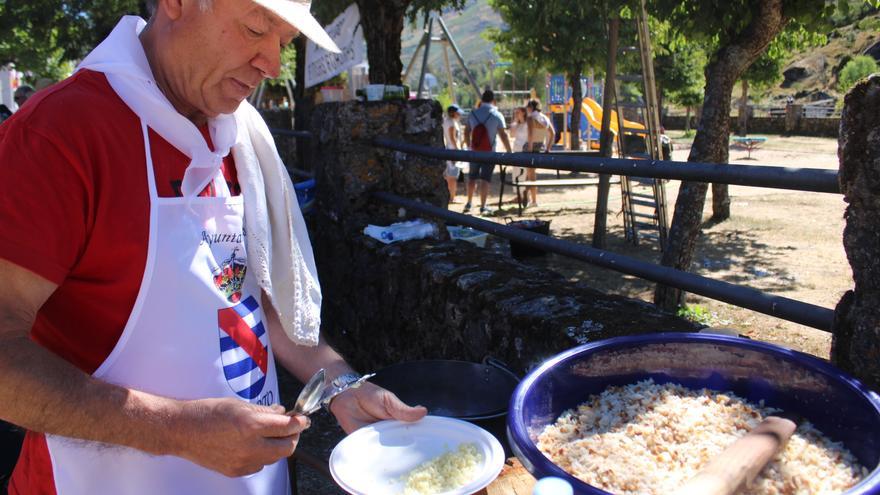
740	463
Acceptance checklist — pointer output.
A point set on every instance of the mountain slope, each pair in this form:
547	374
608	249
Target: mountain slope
466	27
812	74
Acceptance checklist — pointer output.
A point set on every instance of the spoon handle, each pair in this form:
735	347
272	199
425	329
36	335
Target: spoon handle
741	462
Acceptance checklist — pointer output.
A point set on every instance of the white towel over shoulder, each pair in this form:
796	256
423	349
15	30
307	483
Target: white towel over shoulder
278	243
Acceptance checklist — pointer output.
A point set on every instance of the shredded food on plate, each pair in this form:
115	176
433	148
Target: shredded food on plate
446	472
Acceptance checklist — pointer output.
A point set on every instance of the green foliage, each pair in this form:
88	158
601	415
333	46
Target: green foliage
701	315
444	99
288	67
857	68
869	24
40	36
849	11
719	22
767	70
417	8
678	66
559	36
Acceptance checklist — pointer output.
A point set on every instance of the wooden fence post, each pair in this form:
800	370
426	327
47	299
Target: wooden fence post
856	339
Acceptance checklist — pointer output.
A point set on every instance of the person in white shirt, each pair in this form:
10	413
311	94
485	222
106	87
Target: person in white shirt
541	136
452	138
519	128
519	131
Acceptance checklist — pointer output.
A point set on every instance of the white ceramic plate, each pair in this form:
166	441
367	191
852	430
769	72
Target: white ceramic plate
376	459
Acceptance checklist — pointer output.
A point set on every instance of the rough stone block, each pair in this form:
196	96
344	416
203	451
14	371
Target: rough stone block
855	345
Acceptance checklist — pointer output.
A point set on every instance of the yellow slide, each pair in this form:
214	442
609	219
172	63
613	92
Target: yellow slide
592	110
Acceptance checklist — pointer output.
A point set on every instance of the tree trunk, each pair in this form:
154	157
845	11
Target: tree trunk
577	97
720	202
711	142
855	344
720	192
743	118
687	120
383	26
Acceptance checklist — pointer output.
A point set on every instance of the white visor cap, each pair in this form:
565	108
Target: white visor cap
298	14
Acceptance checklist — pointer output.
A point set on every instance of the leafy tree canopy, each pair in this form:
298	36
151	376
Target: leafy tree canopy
563	36
40	36
857	68
678	66
720	22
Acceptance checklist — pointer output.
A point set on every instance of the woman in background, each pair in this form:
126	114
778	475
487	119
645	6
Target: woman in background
452	137
519	131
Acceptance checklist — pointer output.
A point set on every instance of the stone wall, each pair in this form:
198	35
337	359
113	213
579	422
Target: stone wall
803	126
855	346
818	127
453	300
677	122
434	298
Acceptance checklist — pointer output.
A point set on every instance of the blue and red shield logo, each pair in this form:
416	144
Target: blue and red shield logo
244	348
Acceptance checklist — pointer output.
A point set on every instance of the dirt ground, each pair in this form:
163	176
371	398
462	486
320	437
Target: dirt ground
787	243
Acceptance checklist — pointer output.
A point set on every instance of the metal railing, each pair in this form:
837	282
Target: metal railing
811	180
780	307
802	179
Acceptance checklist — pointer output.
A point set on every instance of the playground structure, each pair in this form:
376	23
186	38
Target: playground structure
591	122
446	41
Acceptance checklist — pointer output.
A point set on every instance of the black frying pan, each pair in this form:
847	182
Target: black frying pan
457	389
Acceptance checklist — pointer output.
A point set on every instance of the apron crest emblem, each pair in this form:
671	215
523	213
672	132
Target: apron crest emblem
229	276
244	348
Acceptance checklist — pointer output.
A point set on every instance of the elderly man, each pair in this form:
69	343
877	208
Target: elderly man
146	296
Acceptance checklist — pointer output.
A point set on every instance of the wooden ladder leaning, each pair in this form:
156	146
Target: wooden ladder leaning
644	200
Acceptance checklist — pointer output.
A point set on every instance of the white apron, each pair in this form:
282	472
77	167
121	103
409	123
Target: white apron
196	331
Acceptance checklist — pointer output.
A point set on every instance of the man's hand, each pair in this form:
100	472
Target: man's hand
236	438
370	403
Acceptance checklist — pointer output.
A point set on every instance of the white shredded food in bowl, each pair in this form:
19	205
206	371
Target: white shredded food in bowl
446	472
646	438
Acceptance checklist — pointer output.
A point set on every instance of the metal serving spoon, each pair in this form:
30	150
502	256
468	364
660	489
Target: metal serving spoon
315	394
309	399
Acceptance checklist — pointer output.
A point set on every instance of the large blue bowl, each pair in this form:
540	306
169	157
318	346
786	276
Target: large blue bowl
837	404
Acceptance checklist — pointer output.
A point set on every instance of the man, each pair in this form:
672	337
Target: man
22	94
541	136
484	123
141	311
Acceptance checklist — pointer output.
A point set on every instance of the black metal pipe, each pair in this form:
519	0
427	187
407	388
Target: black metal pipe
797	179
290	133
755	300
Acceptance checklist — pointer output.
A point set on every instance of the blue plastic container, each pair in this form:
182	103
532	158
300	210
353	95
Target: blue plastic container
305	194
837	404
